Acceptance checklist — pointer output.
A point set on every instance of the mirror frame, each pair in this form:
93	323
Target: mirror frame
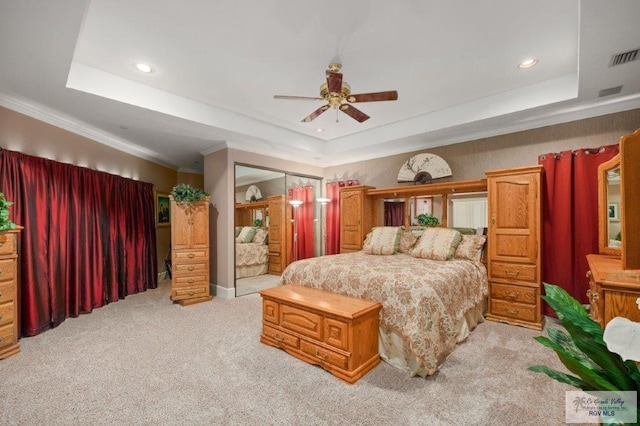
603	208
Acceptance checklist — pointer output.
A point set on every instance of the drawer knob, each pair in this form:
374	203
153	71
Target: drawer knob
190	268
322	357
0	271
190	255
190	281
511	273
191	293
513	311
280	339
0	294
1	339
512	295
0	315
1	244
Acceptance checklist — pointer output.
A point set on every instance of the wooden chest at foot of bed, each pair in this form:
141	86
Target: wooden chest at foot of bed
338	333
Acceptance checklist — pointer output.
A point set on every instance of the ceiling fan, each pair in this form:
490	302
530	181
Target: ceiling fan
338	95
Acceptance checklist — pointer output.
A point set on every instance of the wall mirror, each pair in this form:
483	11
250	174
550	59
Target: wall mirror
254	186
609	205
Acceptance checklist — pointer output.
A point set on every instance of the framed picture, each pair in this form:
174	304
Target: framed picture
614	212
163	210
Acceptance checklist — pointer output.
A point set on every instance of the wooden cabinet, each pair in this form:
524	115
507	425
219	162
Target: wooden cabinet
190	252
613	291
356	217
9	293
280	233
514	246
338	333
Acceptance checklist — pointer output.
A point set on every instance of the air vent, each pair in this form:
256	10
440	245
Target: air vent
623	58
610	91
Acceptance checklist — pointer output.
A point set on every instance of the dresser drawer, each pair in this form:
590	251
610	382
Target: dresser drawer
7	336
194	255
281	337
7	291
321	354
515	311
514	293
303	322
182	268
513	271
270	311
7	313
7	269
8	243
189	292
190	280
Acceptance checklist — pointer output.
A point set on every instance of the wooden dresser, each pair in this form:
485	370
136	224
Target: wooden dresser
190	252
280	233
356	217
338	333
9	293
514	240
613	291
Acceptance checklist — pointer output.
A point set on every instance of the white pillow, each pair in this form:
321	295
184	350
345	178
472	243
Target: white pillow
247	234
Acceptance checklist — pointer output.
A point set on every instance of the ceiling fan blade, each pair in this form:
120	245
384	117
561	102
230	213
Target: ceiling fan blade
391	95
354	113
315	113
334	82
310	98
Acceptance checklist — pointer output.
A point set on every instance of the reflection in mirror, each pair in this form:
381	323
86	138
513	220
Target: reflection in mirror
609	207
256	189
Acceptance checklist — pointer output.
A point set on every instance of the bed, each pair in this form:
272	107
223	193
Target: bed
428	305
252	252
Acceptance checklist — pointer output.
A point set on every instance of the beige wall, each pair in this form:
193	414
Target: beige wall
469	160
194	179
21	133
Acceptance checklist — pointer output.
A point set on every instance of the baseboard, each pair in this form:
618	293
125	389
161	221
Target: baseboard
223	292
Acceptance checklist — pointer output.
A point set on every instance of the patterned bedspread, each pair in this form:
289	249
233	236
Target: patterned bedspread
249	254
423	300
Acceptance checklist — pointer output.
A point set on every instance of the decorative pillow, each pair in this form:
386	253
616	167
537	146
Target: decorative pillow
407	241
247	234
261	236
238	229
437	244
470	247
385	240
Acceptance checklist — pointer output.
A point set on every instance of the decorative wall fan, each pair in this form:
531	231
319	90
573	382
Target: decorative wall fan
422	168
253	194
338	95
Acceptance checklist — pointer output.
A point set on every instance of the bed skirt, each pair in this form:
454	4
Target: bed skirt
251	270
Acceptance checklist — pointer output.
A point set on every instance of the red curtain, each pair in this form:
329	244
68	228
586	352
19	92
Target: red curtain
570	217
303	222
88	238
393	213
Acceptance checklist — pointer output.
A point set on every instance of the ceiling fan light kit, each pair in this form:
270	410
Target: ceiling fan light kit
337	94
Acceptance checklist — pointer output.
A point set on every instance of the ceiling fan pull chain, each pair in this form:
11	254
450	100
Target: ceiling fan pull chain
337	116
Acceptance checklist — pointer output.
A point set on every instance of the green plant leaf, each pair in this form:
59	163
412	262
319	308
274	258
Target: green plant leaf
185	193
559	376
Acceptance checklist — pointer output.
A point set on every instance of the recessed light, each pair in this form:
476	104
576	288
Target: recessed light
319	130
144	68
527	63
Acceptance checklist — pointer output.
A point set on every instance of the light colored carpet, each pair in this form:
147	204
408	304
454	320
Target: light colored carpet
145	360
252	285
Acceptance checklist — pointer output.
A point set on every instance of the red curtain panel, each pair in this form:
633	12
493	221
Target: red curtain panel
303	226
570	216
88	238
393	213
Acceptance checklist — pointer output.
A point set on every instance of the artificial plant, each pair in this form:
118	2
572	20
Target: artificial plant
5	223
185	193
582	349
427	219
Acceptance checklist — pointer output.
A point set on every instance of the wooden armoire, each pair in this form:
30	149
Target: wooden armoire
9	293
514	241
356	217
190	252
280	233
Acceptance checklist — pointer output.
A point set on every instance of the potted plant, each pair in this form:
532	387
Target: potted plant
5	223
185	193
582	349
257	223
427	219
